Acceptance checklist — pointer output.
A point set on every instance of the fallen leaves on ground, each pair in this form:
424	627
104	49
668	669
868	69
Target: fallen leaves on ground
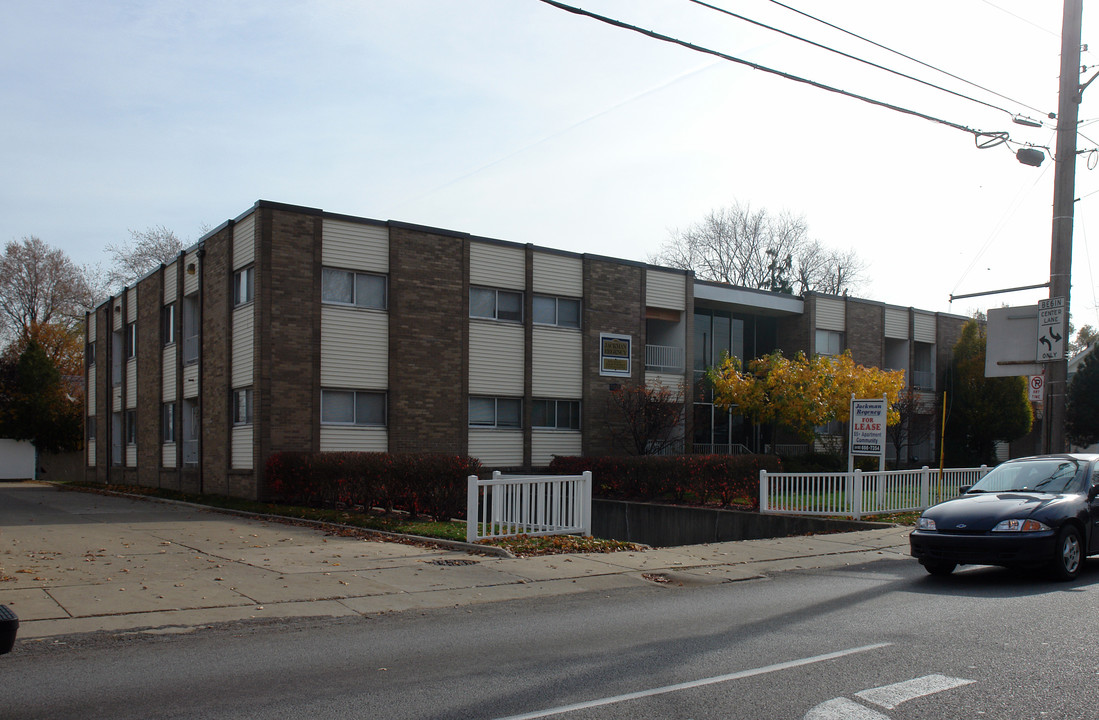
528	546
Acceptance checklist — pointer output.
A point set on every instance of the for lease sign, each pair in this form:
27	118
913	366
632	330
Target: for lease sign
868	426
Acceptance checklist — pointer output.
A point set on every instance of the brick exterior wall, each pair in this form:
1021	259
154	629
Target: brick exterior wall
794	333
614	302
865	334
216	291
101	318
149	378
428	347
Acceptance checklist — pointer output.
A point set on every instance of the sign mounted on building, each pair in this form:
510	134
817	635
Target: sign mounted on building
1051	329
867	422
614	354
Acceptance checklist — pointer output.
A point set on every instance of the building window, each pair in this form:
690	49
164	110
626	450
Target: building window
555	414
244	285
353	407
829	342
242	406
89	354
131	340
487	412
168	422
344	287
91	429
505	305
130	422
559	311
190	321
168	323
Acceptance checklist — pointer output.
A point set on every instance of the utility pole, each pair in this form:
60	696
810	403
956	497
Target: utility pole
1064	191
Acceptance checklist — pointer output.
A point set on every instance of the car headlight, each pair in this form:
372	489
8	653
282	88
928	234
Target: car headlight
1020	525
925	523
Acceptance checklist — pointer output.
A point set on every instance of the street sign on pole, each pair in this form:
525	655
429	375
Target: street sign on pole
1051	330
1035	385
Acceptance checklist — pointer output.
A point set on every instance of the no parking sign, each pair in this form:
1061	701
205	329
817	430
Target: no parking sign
1035	386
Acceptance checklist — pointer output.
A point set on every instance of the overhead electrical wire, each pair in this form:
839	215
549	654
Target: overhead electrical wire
990	139
908	57
852	57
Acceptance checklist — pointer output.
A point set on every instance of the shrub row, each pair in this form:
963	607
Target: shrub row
431	485
704	479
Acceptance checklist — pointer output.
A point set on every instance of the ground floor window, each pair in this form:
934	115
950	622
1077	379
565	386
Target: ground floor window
555	414
353	407
492	412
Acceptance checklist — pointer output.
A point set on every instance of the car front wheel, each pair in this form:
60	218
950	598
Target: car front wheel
1068	555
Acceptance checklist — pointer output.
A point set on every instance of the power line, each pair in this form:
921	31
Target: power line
851	57
909	57
990	138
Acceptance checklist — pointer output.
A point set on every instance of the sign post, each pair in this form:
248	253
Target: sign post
867	423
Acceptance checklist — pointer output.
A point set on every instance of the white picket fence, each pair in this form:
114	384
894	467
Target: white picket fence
505	506
861	493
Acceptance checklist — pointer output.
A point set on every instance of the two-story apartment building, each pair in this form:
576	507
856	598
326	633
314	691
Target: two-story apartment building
294	329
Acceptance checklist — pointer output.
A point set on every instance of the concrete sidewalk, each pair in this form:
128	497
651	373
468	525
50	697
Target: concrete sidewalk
73	562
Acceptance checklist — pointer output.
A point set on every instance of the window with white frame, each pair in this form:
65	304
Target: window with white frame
829	342
506	305
242	406
130	428
91	429
89	354
244	285
131	340
168	323
555	414
492	412
168	422
344	287
559	311
353	407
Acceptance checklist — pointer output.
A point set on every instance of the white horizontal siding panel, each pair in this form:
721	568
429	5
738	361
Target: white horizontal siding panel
91	327
558	275
496	359
354	246
131	383
131	456
190	381
896	323
665	290
92	385
91	453
354	439
243	345
241	451
131	305
244	242
674	383
171	282
169	388
497	266
545	444
923	327
831	314
496	448
116	313
354	348
190	281
168	455
557	363
116	398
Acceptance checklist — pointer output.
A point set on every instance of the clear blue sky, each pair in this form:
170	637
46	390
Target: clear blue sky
515	120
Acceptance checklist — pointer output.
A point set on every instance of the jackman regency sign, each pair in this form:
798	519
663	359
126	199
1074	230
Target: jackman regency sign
868	418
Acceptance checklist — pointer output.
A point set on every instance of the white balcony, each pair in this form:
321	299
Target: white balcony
664	358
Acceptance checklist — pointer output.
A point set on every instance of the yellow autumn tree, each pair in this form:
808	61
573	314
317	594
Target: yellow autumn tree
801	393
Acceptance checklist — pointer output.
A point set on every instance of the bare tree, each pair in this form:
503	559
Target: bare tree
39	285
739	246
646	419
144	251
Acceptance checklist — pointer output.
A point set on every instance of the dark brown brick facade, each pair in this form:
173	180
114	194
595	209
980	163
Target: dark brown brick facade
428	327
865	334
149	379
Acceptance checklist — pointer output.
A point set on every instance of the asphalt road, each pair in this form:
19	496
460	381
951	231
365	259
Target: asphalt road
882	640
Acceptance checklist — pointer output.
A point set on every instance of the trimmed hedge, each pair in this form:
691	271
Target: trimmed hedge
702	479
431	485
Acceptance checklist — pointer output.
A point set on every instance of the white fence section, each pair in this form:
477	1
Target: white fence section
861	493
528	505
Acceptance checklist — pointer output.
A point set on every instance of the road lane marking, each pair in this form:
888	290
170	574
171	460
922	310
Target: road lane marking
890	696
843	709
696	683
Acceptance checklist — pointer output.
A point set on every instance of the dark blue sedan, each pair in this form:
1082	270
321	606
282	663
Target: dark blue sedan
1038	511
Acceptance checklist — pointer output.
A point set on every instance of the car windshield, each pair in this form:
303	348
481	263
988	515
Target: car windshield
1052	475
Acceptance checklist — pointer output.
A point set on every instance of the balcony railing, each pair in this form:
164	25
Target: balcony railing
664	358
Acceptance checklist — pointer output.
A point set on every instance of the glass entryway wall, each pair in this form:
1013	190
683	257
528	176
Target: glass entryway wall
717	334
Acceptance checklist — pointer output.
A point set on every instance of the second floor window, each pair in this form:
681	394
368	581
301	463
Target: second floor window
506	305
559	311
829	342
168	323
345	287
242	406
131	340
244	285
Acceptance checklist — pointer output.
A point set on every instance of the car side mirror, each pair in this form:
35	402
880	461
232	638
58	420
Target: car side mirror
964	489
